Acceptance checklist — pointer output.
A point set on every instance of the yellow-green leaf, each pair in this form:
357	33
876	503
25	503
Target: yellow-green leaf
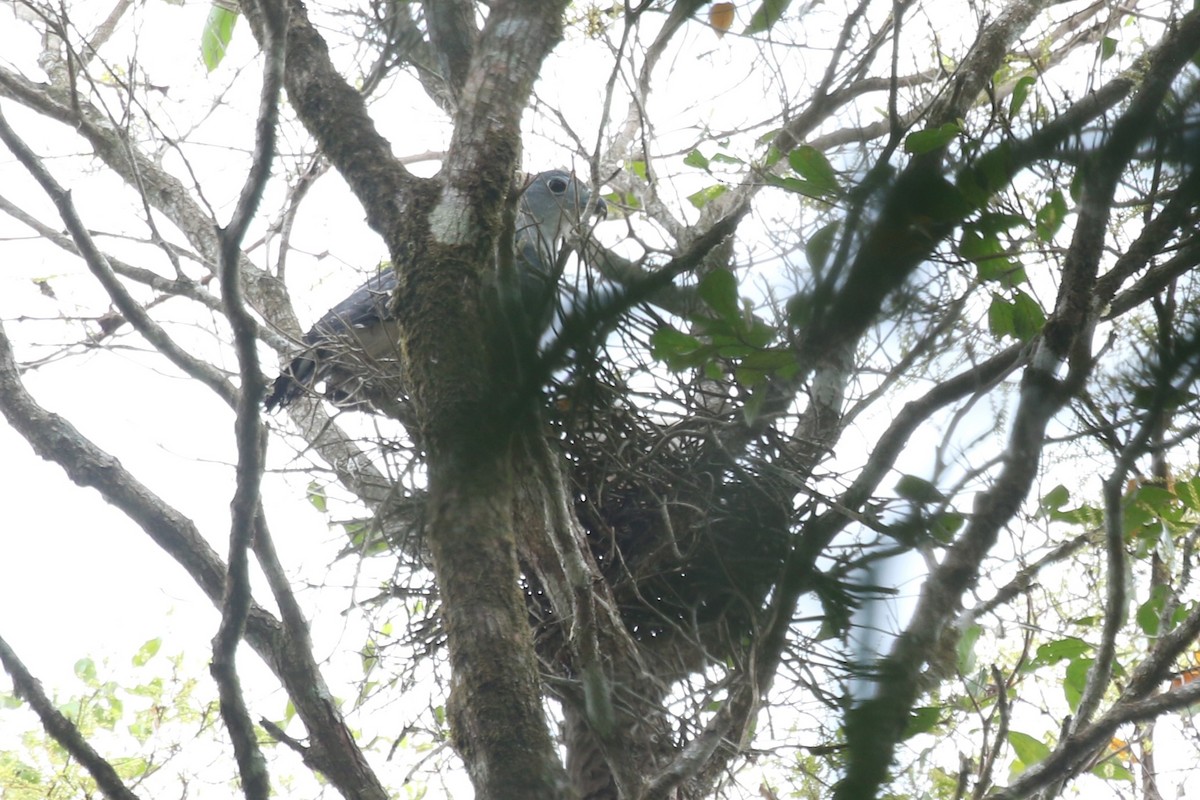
218	31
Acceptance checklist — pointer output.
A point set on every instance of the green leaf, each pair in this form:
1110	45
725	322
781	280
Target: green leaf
1134	517
1075	681
757	333
1111	770
977	244
1028	318
1000	317
799	186
723	158
773	155
1075	190
1159	499
1188	493
1148	619
811	164
146	652
966	648
1022	318
766	15
931	139
1084	515
1169	397
365	538
946	525
769	360
369	656
1028	749
1181	612
218	31
922	720
718	289
621	200
982	246
820	244
85	670
918	490
1053	652
769	136
1020	92
749	377
705	196
1108	48
116	709
754	403
696	159
316	496
676	349
638	168
1149	613
1053	500
993	171
1049	217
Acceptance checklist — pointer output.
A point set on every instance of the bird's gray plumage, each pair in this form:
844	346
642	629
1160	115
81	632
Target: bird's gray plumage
353	345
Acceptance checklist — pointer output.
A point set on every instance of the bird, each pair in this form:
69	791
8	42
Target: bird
353	350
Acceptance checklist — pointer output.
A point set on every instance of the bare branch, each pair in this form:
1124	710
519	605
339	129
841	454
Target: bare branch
336	116
1094	736
250	436
62	729
99	266
452	38
875	725
56	440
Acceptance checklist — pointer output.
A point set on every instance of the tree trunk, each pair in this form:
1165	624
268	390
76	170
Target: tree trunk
495	709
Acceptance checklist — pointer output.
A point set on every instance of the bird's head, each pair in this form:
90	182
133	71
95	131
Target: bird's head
553	206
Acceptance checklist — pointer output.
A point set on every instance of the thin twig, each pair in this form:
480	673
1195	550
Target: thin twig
62	729
250	435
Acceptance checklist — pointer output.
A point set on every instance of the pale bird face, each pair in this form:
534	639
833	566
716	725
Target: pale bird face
554	204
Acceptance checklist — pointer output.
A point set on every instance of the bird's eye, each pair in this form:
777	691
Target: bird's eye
557	185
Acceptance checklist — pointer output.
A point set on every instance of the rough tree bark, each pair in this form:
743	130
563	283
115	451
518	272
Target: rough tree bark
442	239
